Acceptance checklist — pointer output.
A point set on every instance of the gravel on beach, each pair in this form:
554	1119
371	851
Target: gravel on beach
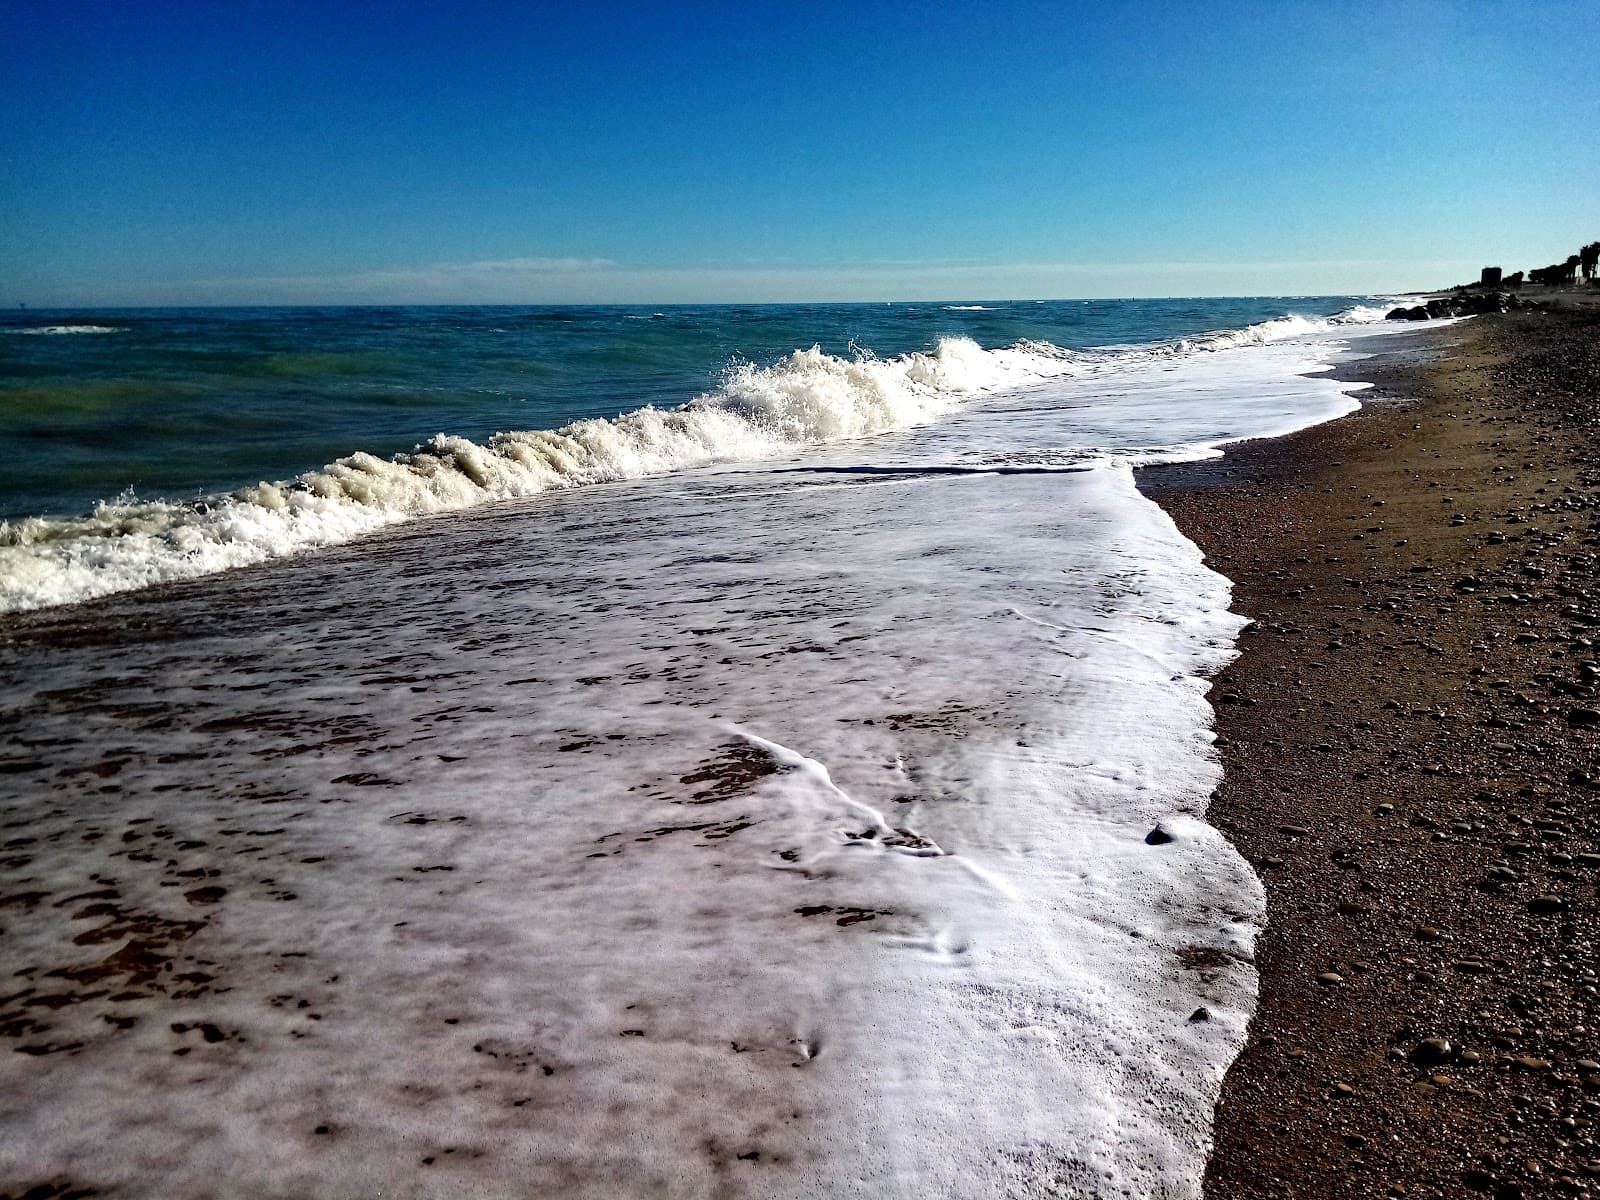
1411	739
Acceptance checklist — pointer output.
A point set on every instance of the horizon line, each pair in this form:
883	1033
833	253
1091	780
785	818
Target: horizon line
24	306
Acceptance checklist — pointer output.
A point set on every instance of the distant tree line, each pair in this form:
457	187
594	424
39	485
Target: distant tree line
1586	260
1496	291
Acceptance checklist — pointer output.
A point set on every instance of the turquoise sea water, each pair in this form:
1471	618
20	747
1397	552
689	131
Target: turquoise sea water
178	403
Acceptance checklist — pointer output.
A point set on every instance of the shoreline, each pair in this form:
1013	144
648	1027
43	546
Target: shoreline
757	834
1408	740
195	768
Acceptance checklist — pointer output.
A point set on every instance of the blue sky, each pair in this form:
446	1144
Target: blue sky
167	152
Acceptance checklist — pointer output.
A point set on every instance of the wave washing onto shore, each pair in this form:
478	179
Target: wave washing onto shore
822	834
806	398
773	834
1279	329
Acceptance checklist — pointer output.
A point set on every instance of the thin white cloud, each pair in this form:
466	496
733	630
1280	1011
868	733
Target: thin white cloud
568	280
526	266
446	277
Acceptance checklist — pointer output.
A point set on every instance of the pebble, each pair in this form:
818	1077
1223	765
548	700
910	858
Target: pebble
1330	978
1433	1049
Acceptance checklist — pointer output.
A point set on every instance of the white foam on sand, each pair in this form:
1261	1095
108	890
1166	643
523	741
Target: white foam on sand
773	837
822	832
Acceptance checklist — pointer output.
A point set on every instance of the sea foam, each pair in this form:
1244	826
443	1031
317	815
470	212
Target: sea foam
779	833
772	834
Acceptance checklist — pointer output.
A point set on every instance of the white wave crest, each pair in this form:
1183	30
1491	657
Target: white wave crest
61	329
967	308
806	397
1275	330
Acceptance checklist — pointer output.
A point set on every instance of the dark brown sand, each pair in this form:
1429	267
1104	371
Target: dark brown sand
1411	740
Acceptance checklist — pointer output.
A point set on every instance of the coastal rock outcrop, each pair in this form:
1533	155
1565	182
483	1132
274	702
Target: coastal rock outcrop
1417	313
1462	304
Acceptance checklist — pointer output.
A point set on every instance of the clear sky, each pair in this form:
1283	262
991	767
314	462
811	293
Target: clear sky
159	151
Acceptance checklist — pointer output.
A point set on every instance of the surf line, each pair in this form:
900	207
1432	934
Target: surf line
928	470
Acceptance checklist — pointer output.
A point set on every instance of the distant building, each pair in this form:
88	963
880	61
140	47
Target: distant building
1490	278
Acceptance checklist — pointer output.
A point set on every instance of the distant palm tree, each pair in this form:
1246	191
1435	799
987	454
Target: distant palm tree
1588	260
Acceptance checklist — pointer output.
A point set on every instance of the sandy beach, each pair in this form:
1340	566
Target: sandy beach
1411	759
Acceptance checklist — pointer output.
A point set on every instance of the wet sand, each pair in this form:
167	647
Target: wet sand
1411	741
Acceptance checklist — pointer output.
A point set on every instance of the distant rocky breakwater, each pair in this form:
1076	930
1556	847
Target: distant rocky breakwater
1468	304
1496	292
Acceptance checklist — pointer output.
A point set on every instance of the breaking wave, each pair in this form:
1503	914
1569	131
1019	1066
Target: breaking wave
806	398
60	329
1276	330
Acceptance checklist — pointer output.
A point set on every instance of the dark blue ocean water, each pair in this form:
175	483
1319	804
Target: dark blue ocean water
173	403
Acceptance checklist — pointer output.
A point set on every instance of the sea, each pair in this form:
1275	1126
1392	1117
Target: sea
615	751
